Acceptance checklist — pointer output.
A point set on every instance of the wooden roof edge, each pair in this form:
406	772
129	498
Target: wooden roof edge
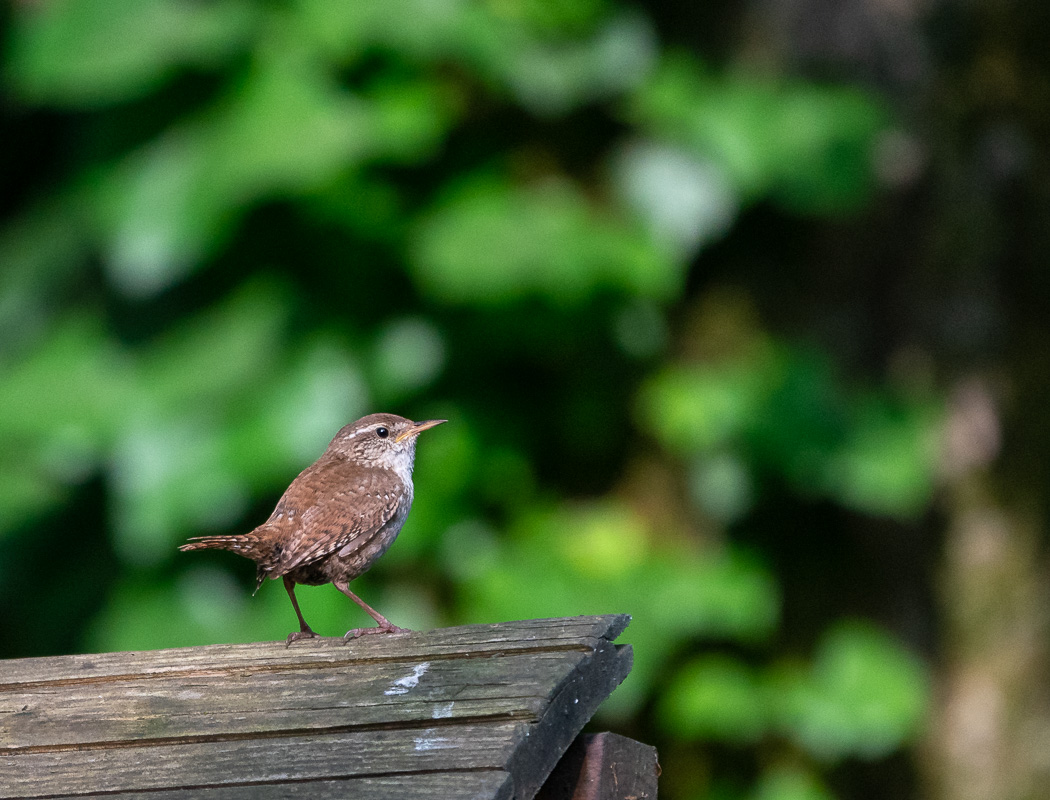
572	706
525	749
576	631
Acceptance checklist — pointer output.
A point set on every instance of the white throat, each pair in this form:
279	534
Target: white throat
400	463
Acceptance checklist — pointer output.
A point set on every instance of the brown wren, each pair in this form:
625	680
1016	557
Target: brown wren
338	516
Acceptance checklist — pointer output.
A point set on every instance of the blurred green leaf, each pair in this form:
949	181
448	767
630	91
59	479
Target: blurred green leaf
555	76
808	146
318	388
285	127
555	17
63	403
864	696
410	118
788	782
489	243
549	61
344	31
694	410
409	354
780	409
74	378
721	485
24	492
888	464
159	212
684	200
218	354
87	52
169	478
715	697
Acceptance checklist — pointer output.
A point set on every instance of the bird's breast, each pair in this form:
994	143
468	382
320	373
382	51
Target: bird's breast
358	555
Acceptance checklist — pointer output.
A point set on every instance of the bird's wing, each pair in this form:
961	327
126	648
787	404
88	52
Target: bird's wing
327	507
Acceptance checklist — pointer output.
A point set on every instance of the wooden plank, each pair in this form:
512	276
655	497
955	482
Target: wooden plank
497	701
604	766
405	692
460	642
461	785
259	760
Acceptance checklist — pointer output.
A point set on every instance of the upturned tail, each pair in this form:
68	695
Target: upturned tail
245	544
249	545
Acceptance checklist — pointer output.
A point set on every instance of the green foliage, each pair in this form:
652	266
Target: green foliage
784	411
283	216
490	243
89	52
789	783
863	696
715	697
600	558
804	146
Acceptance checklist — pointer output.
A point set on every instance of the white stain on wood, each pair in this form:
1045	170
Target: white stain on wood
443	711
403	685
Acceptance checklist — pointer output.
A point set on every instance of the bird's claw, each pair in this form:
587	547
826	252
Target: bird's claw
295	636
352	634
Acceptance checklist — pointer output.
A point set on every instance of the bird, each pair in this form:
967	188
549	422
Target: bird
337	517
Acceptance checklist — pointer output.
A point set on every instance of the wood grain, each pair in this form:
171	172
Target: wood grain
575	633
485	709
461	785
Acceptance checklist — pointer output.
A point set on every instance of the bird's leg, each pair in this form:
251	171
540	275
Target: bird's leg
385	626
304	631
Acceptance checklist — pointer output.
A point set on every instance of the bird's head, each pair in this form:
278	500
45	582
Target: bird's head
381	440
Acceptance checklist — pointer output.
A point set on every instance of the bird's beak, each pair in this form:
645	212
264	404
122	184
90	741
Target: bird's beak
418	427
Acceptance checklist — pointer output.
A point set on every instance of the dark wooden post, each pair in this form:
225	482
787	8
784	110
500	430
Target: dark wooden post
604	766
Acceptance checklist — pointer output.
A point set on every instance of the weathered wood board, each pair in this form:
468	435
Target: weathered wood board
481	711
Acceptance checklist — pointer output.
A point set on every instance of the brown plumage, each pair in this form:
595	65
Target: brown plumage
338	516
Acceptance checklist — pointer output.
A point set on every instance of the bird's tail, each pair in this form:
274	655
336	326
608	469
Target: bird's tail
245	544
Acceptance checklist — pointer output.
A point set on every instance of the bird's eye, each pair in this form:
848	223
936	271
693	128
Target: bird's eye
382	432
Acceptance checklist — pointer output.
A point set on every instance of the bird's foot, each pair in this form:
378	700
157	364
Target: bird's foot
295	636
388	628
